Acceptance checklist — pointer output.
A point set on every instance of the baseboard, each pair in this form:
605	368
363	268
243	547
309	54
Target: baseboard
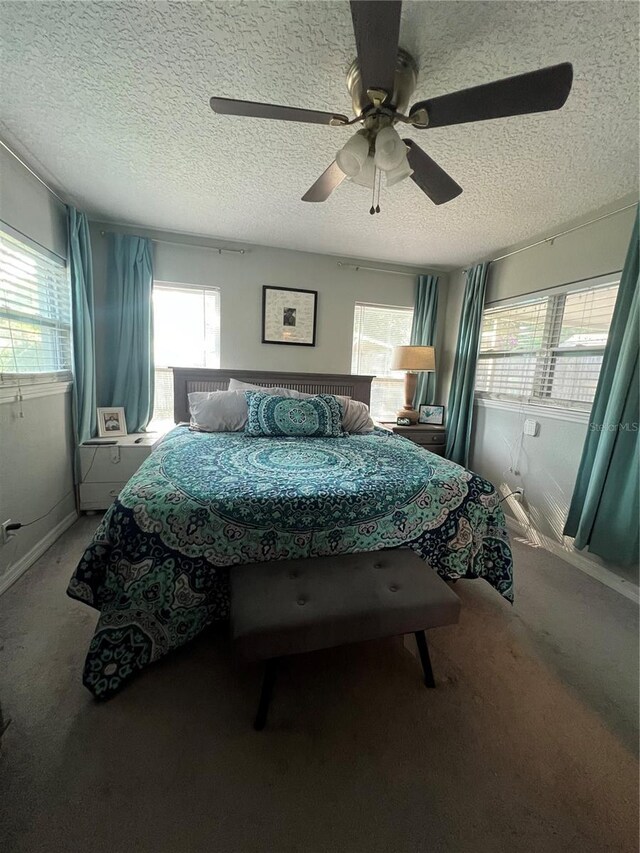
36	552
579	561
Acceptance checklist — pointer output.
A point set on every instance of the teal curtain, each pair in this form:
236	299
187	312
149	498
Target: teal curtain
605	507
129	328
423	333
83	325
460	410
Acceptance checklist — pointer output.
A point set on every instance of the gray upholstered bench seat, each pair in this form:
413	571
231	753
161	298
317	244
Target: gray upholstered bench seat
292	606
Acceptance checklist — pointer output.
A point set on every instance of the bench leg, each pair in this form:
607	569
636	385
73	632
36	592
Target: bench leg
421	640
265	696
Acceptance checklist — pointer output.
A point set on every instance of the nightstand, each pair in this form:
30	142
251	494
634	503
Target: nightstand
106	468
432	438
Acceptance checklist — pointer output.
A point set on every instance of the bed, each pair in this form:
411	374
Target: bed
158	566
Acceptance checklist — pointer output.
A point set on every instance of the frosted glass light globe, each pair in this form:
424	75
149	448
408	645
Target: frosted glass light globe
404	170
352	155
366	175
390	149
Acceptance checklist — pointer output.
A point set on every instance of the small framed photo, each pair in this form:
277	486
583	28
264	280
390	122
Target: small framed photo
111	422
289	316
403	421
431	415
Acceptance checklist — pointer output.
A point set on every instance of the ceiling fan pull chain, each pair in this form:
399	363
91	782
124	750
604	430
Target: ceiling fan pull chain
379	176
372	209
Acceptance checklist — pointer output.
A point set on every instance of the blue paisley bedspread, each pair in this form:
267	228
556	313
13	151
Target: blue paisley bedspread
157	568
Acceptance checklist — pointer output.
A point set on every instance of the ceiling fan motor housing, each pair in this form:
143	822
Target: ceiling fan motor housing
404	84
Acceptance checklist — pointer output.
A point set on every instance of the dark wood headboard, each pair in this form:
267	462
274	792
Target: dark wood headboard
188	379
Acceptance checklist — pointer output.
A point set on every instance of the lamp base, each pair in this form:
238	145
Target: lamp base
410	414
407	411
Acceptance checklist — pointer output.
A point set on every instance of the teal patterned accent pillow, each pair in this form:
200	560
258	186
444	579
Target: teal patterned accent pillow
313	417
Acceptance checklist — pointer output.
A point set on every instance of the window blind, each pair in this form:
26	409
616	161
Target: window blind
548	349
186	320
377	329
35	313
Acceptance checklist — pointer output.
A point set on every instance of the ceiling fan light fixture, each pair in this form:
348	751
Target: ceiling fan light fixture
353	154
404	170
390	149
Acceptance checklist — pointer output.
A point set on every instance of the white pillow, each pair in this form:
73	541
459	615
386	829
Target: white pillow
356	418
225	411
236	385
218	411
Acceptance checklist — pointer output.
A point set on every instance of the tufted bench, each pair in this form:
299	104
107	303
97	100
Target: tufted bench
292	606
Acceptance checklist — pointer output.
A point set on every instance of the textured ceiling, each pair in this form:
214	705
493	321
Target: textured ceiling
111	99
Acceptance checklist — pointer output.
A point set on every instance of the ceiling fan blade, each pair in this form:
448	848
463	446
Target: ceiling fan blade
534	92
431	178
331	178
376	26
251	109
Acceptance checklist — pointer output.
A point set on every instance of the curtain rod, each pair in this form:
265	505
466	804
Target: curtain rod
357	267
217	249
559	234
31	172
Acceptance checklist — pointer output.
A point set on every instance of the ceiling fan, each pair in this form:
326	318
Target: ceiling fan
381	81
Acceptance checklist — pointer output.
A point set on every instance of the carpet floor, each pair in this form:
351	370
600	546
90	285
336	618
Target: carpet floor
529	742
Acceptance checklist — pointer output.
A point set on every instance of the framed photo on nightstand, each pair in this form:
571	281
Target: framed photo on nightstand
431	415
111	422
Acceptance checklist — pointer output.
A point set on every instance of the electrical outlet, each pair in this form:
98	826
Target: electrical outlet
518	494
5	534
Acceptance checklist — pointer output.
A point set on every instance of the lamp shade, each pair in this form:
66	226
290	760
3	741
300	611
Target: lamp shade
413	358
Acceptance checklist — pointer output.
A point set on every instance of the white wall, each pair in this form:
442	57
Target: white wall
36	437
241	278
27	207
548	462
588	252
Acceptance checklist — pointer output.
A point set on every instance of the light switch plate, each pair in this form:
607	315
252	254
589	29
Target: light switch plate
531	427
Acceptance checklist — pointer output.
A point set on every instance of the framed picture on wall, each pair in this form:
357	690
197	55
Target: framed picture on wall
111	422
289	316
431	415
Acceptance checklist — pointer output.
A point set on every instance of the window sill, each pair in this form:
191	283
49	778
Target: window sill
52	377
557	413
15	392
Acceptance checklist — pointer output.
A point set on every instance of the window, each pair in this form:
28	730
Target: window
547	349
186	333
377	329
35	313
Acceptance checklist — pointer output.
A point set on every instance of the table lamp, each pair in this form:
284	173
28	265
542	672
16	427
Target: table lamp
412	359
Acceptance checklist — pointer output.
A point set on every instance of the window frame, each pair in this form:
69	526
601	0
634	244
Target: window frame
550	351
63	375
162	284
397	377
